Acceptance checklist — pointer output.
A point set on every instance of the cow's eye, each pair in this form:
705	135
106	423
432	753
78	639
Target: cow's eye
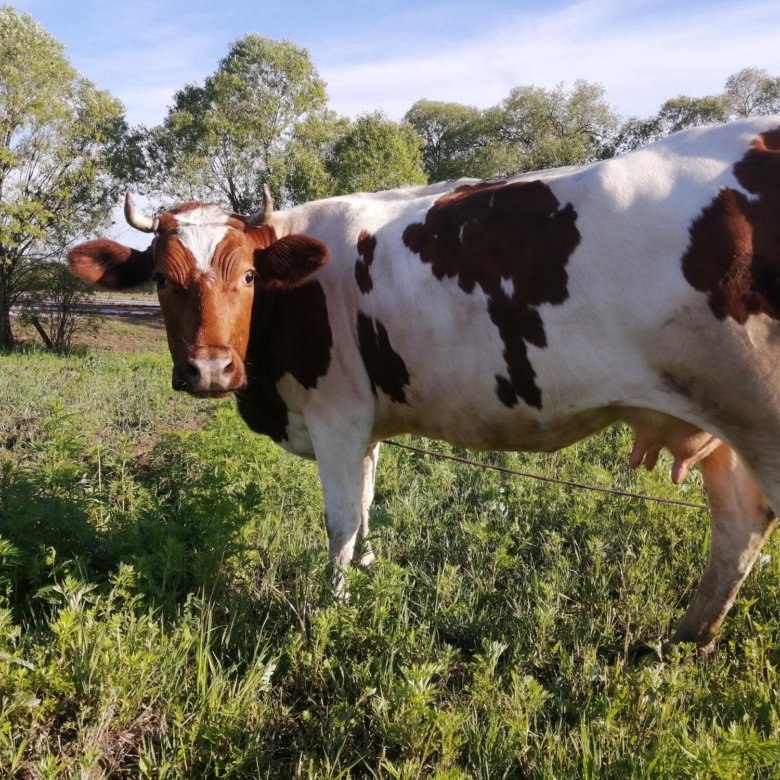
160	281
249	277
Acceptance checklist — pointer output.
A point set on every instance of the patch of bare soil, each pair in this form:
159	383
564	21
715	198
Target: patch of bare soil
124	332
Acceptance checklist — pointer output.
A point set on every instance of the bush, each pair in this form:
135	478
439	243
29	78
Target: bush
56	307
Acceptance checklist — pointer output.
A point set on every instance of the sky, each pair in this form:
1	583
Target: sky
387	54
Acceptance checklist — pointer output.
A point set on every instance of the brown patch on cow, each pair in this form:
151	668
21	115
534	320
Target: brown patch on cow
366	245
290	334
734	250
386	368
493	232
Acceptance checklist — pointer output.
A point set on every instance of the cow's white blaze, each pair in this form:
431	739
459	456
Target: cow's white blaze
200	230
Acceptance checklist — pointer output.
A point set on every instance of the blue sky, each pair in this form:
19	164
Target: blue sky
382	54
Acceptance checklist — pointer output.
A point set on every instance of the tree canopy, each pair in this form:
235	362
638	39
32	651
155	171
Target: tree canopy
545	128
224	139
376	154
455	137
751	92
60	138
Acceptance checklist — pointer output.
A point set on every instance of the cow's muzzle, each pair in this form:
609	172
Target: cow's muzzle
211	371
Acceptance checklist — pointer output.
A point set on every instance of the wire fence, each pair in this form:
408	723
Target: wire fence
542	478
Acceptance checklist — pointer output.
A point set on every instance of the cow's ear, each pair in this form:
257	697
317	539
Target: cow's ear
289	262
111	265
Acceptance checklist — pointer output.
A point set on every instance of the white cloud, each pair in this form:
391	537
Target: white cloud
641	57
382	55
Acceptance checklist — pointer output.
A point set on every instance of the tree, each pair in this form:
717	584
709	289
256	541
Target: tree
376	154
456	143
223	140
682	112
307	176
58	134
752	91
59	302
635	132
541	128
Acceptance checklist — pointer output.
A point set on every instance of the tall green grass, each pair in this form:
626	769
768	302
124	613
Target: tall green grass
165	608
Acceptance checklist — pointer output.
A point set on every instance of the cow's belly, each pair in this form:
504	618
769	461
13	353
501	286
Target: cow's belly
458	399
476	430
653	431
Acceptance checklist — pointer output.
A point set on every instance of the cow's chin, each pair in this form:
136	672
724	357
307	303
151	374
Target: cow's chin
212	393
183	386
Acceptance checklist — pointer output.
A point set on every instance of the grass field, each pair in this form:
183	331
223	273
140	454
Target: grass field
165	608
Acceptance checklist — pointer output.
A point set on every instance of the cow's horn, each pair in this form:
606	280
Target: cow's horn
137	220
261	217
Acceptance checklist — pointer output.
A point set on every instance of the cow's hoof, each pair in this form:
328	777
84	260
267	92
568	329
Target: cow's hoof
367	559
702	651
686	651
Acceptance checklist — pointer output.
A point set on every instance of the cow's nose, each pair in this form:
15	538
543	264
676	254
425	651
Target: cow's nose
209	372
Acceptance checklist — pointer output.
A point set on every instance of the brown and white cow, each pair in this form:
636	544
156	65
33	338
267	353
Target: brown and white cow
521	314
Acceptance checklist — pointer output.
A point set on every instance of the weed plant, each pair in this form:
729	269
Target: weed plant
165	608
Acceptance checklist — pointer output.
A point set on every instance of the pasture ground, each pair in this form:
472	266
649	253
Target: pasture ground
165	608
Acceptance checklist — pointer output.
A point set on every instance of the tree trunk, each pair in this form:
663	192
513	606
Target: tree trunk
41	332
6	334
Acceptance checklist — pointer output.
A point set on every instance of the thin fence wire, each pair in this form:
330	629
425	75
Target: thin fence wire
542	478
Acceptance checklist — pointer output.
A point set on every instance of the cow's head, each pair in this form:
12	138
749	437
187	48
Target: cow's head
209	265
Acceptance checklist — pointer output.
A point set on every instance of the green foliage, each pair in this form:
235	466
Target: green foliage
307	175
55	305
374	154
165	607
635	132
535	128
752	91
222	140
749	92
532	128
682	112
57	132
543	128
457	141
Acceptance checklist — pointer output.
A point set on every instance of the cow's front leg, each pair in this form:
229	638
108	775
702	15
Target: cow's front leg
370	460
341	462
741	522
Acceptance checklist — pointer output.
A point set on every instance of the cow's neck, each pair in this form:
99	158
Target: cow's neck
259	403
290	335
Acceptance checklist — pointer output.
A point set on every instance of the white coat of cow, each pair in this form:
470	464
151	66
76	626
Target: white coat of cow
520	314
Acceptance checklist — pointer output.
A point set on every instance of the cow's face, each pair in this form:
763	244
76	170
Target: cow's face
208	266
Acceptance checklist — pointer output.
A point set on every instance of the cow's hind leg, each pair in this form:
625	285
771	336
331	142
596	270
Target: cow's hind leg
741	522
